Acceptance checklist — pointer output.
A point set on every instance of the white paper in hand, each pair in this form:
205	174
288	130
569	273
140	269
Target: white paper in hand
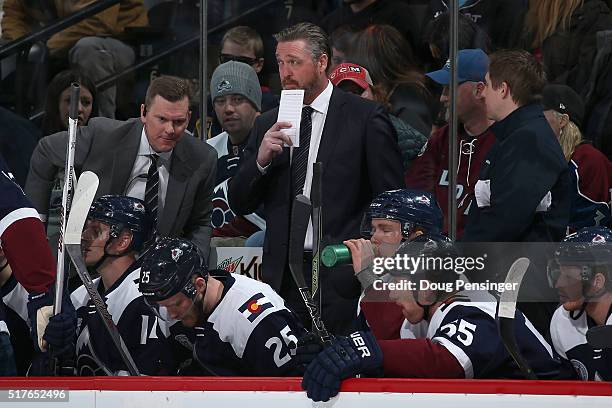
290	110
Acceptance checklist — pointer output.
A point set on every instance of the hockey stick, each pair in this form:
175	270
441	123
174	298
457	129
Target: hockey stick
300	216
507	310
600	337
85	194
68	189
317	226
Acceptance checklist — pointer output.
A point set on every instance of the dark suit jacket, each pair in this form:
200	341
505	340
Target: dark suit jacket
109	148
360	159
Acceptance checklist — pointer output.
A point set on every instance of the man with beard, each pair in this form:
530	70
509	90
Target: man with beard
242	326
355	142
429	171
581	271
236	96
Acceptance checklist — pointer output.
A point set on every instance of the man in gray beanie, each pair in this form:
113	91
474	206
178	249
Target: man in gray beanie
236	96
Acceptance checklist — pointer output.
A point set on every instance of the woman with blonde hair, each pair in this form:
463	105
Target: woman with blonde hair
591	171
563	33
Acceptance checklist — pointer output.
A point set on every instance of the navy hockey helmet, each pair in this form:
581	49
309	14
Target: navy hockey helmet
590	249
168	268
123	212
412	208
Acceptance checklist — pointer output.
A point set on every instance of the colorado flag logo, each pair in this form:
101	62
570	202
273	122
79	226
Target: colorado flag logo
254	306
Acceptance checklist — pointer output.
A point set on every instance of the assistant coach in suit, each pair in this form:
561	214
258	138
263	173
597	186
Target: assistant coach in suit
123	155
357	145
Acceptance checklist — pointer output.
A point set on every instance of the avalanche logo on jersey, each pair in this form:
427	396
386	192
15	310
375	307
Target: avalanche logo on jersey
139	207
254	306
176	253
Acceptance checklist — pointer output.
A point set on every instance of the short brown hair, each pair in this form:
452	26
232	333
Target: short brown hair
524	75
316	39
171	88
245	35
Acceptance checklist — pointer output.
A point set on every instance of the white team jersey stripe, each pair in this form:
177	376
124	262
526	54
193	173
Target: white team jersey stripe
16	215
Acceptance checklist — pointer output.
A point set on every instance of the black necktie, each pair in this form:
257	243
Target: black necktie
300	154
152	188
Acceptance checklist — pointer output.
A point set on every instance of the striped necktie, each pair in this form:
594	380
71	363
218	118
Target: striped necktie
152	188
300	154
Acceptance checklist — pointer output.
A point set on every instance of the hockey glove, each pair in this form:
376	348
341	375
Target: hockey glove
7	356
40	310
345	358
308	347
60	333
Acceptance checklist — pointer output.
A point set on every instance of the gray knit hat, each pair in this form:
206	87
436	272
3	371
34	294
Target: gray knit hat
234	77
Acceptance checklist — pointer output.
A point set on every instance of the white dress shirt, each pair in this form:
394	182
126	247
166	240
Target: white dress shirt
138	177
320	105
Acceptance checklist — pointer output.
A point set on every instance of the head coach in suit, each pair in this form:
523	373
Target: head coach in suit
148	158
356	143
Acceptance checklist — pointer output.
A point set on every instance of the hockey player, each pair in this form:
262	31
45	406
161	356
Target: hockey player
242	325
462	339
24	244
14	298
393	217
117	228
581	271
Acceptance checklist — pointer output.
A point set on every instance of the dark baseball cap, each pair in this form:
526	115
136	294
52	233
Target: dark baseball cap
473	66
563	99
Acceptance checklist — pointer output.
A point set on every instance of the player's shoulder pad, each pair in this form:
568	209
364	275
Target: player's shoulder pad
566	332
468	303
118	299
219	143
80	297
244	306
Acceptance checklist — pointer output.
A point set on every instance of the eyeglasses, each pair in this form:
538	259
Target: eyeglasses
223	58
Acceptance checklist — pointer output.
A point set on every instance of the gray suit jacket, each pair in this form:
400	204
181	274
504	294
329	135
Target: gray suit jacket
109	148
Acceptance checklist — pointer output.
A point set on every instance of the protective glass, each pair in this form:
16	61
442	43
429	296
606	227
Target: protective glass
238	58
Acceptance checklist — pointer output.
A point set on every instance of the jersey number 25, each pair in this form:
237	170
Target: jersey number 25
277	346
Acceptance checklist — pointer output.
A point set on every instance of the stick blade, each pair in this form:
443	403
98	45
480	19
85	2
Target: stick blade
600	337
84	196
507	301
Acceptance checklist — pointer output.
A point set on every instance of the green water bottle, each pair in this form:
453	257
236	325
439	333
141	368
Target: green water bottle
335	255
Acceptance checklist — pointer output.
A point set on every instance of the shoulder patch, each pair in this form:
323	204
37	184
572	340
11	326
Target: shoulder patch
254	306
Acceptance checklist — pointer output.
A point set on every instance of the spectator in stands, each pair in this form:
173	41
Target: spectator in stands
18	138
474	140
127	155
522	192
361	13
501	20
386	55
590	170
57	102
357	145
243	44
471	36
341	41
562	33
236	95
92	45
355	79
